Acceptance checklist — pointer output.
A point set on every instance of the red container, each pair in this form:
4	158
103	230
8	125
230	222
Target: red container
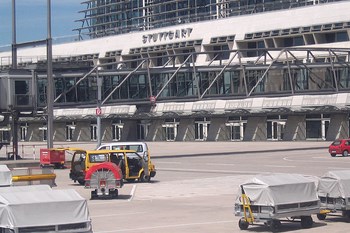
52	157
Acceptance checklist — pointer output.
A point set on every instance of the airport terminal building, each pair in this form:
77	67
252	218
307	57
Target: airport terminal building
211	70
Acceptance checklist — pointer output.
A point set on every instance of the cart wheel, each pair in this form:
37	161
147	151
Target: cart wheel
274	225
243	224
306	221
94	195
114	193
321	216
346	213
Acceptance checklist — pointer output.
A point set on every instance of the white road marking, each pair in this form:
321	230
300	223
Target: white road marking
339	168
132	192
101	202
168	162
120	214
166	226
323	157
211	171
312	161
277	166
221	164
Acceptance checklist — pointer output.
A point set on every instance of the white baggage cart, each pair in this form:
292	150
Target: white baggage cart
270	198
334	192
38	208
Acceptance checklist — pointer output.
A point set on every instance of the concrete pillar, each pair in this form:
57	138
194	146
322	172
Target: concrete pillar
82	131
295	129
338	127
60	131
217	129
106	130
255	129
33	133
186	130
155	132
129	130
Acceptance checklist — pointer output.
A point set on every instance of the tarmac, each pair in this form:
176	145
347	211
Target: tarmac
30	152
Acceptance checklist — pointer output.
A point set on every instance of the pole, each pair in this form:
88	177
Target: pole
14	40
98	111
50	96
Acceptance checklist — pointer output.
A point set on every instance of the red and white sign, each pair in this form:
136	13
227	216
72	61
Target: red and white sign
152	99
98	111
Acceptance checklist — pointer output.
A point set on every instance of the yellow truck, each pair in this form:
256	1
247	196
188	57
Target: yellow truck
133	166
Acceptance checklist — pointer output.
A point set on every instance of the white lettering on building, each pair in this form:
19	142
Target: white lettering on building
319	100
168	35
238	104
275	103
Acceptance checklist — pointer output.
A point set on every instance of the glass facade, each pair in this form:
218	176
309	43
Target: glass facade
190	83
110	17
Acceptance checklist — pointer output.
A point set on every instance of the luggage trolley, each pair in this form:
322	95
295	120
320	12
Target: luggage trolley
334	193
269	198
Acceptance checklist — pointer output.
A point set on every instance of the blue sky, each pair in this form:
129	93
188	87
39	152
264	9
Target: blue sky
31	18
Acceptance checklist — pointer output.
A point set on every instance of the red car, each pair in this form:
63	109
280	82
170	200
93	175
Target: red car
340	146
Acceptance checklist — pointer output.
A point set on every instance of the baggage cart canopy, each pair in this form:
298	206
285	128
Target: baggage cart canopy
5	176
41	207
278	189
335	184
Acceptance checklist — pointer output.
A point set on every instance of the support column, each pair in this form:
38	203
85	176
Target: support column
338	127
256	129
295	129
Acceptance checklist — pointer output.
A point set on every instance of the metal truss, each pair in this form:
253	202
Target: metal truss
268	60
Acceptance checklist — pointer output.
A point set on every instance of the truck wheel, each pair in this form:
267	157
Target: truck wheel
306	221
81	182
274	225
144	178
321	216
242	224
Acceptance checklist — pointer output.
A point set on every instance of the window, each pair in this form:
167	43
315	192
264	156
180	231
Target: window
21	93
252	46
98	158
222	53
317	126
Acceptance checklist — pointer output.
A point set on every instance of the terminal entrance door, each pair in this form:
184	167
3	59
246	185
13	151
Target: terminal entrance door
236	130
93	132
317	126
117	132
201	129
142	130
275	129
23	131
170	131
70	127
